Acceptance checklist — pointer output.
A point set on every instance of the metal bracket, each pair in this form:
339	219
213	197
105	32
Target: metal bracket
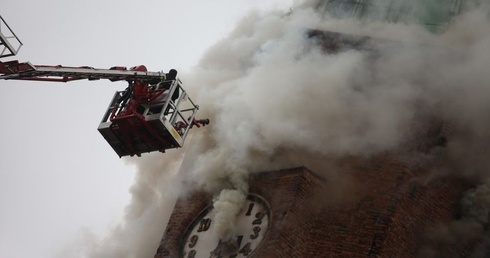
9	42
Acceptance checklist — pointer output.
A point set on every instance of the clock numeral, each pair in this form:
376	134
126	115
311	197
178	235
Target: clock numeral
258	218
249	211
191	254
246	250
193	241
256	233
204	225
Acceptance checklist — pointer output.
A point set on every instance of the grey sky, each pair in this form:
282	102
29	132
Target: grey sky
58	175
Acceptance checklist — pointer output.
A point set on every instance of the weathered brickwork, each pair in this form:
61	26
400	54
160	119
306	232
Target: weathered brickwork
183	214
388	219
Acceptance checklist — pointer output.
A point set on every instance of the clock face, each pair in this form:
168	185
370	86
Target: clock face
250	227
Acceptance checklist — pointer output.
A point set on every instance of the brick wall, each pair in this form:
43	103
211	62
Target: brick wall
388	219
184	212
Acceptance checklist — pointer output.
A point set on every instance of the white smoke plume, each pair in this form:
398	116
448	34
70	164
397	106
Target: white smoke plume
227	206
276	99
153	196
267	88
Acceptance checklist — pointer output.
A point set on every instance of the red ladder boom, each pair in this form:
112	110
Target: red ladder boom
13	70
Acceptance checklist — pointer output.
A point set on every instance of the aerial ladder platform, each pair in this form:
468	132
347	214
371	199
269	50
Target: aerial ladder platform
154	113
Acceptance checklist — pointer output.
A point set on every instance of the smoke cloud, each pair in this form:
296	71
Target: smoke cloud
227	206
276	99
157	185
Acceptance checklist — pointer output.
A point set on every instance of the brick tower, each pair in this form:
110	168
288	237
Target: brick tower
388	220
388	216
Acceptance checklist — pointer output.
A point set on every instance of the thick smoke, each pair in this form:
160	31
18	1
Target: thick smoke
227	206
153	196
277	99
469	234
270	91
